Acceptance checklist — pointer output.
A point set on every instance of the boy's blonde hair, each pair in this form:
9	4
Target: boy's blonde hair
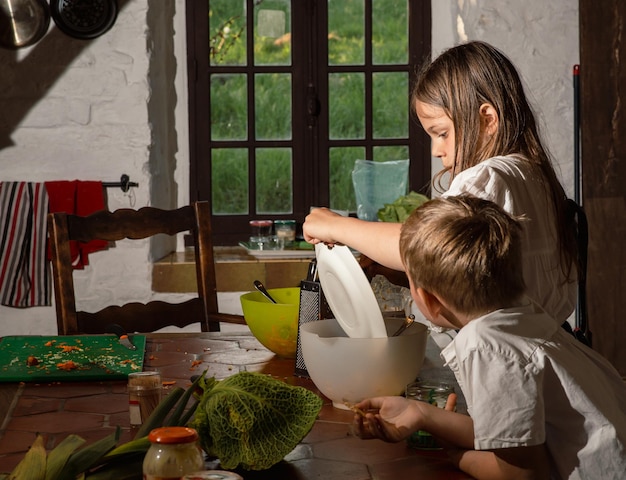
467	251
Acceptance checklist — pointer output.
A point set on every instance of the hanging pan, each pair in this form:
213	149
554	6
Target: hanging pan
84	19
23	22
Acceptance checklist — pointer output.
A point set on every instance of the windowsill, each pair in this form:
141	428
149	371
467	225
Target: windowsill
235	271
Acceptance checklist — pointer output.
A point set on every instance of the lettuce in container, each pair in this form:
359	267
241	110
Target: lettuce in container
401	208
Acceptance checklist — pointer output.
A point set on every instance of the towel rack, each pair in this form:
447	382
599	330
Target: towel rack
124	183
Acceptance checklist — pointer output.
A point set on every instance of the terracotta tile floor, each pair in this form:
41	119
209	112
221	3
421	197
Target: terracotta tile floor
94	409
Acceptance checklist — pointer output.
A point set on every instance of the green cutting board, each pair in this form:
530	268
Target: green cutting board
94	357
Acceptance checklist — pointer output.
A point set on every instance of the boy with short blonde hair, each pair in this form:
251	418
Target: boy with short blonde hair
540	403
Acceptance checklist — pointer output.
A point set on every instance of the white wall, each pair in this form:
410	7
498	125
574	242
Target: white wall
112	110
541	38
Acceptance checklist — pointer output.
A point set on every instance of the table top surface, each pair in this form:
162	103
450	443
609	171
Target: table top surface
93	409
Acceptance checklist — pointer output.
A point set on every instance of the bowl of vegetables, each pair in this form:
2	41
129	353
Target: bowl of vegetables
347	370
275	325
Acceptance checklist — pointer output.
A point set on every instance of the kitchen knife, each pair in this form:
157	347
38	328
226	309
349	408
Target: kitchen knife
121	335
124	340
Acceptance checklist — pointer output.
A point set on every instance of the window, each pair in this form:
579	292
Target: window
286	94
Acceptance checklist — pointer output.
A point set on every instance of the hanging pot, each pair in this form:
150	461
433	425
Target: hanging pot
23	22
84	19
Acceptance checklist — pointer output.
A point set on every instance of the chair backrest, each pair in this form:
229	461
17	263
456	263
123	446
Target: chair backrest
135	224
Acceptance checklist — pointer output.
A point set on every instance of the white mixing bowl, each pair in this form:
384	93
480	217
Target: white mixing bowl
348	370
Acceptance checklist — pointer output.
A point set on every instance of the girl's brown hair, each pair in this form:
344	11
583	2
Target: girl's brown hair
467	76
467	250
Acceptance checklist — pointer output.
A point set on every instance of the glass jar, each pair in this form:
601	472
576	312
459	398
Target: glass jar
285	231
213	475
144	394
260	230
435	393
173	453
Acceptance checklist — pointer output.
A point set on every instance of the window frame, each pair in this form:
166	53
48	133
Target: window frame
310	143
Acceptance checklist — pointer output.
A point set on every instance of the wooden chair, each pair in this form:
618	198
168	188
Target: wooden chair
135	224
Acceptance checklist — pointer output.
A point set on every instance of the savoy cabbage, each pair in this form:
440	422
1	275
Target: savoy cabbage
401	208
251	420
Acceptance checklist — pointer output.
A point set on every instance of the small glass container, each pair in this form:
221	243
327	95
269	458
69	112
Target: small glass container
435	393
144	394
285	231
260	230
173	453
213	475
261	237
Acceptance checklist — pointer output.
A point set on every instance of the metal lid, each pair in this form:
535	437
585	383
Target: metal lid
169	435
213	475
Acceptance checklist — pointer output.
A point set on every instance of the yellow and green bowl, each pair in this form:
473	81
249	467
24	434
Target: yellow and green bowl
275	325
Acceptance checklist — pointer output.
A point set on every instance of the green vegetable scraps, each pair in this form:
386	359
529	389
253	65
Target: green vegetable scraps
253	421
401	208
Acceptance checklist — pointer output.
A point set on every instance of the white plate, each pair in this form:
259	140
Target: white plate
348	292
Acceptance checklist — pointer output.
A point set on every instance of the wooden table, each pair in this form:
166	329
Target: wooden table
93	409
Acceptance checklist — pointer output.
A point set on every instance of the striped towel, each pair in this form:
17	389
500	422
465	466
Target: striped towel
24	274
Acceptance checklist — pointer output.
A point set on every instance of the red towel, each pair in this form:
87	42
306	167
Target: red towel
78	198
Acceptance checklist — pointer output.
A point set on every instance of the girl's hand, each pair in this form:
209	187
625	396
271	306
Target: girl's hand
317	226
391	419
376	240
451	402
451	407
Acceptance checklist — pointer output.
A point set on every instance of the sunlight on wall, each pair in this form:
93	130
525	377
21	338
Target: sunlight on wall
460	24
460	28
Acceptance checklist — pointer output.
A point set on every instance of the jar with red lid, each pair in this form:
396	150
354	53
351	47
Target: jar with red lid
173	453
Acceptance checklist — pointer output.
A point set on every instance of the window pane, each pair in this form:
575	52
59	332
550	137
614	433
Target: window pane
346	30
390	32
341	165
346	101
229	105
272	33
272	95
395	152
227	32
390	102
274	192
229	181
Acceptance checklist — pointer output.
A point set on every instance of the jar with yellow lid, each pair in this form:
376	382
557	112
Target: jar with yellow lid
173	453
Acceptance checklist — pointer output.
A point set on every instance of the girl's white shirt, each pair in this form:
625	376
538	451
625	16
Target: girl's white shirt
510	182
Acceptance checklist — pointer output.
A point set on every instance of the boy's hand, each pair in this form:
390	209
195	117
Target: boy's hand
391	419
